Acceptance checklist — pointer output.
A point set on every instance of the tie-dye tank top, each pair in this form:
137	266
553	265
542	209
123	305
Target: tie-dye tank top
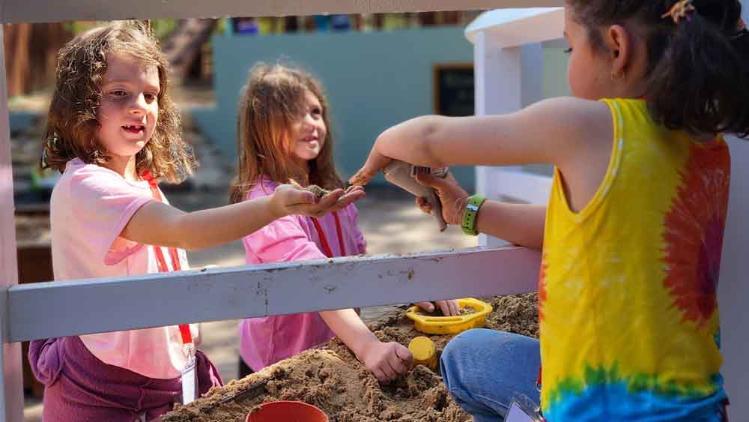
627	292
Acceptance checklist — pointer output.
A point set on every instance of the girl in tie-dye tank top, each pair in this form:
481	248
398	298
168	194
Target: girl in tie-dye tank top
633	230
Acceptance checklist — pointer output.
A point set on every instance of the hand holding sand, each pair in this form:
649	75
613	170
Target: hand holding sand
294	199
387	361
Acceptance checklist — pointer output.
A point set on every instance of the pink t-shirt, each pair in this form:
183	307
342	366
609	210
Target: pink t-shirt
89	208
265	341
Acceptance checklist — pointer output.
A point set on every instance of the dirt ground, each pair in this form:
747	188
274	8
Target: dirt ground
332	379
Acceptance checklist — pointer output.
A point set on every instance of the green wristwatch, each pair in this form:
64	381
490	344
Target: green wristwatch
469	214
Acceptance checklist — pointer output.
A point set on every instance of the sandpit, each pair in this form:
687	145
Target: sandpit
331	378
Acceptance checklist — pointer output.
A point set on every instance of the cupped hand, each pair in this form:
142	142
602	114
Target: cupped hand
288	199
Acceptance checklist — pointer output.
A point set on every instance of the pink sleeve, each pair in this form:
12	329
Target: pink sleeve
103	202
283	240
361	243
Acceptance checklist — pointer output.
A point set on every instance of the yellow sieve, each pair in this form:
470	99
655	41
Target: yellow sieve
430	324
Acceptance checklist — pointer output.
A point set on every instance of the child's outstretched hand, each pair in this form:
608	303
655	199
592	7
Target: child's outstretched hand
288	199
386	361
451	195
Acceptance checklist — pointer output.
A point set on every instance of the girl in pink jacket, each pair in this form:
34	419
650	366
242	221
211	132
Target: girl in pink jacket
283	135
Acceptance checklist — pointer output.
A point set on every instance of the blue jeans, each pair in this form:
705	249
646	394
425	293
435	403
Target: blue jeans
485	370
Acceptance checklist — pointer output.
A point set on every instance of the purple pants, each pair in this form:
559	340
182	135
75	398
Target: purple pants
80	387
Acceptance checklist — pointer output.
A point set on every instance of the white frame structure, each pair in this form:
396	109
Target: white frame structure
85	306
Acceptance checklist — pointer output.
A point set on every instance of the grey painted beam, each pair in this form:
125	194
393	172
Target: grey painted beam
15	11
11	379
58	309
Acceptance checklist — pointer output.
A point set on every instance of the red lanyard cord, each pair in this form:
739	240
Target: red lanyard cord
324	240
184	329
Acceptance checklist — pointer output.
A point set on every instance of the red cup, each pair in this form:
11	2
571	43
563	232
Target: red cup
287	411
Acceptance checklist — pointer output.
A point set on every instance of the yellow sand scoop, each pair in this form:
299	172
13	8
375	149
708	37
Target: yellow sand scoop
423	351
451	324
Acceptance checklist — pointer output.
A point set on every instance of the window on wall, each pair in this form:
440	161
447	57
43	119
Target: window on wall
453	89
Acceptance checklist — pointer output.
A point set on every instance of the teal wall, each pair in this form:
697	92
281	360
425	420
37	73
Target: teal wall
373	80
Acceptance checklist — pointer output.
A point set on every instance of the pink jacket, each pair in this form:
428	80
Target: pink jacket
264	341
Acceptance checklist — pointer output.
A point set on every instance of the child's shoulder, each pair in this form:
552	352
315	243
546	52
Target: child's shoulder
264	186
570	110
81	178
77	169
565	125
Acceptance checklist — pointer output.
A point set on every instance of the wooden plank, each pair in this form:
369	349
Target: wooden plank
11	390
733	290
51	11
89	306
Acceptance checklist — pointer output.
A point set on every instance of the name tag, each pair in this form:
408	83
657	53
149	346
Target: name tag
189	381
517	414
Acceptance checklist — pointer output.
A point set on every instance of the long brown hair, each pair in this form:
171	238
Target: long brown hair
272	101
72	123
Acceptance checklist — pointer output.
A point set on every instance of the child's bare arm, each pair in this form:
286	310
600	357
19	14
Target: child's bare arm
160	224
386	361
520	224
559	131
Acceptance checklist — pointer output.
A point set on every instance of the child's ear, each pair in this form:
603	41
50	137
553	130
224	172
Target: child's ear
619	44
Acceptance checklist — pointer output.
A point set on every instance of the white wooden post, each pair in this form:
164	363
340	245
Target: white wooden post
508	63
507	79
733	289
11	389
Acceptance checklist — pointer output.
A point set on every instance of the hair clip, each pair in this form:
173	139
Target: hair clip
680	10
50	144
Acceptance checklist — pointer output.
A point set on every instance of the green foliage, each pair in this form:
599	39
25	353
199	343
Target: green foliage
163	27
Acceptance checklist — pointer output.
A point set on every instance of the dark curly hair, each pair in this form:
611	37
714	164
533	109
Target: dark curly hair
698	68
72	123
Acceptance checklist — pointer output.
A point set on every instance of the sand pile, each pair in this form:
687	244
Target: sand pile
332	379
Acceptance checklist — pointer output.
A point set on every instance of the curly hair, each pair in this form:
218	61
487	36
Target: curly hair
72	119
698	67
272	101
